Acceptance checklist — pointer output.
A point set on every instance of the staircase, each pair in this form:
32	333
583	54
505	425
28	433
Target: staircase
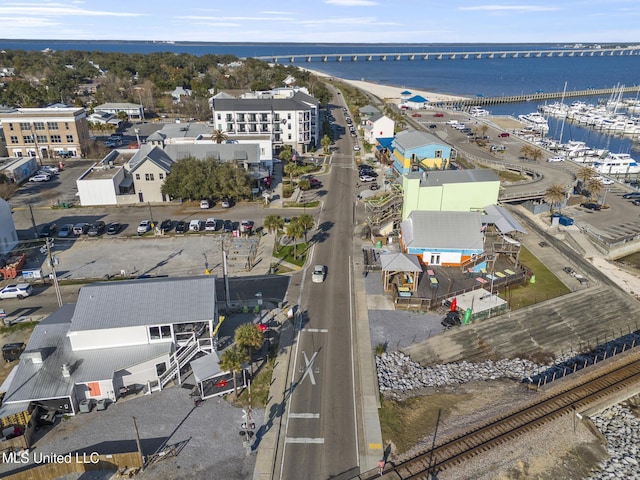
178	360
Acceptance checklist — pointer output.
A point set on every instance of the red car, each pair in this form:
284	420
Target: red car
416	115
438	114
503	134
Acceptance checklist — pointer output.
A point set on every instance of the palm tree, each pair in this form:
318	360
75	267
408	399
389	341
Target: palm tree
219	136
594	185
248	336
555	195
304	184
288	169
231	360
325	141
536	154
525	151
294	232
273	223
585	173
307	222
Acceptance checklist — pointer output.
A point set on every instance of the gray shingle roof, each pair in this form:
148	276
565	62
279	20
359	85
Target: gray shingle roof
369	109
154	154
145	302
400	262
443	230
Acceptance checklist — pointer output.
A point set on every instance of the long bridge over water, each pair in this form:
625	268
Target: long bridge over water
451	55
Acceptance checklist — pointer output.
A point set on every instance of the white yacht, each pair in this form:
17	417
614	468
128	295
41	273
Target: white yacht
535	120
479	112
617	163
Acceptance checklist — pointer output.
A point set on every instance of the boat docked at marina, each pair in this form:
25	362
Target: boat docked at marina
616	163
479	112
535	120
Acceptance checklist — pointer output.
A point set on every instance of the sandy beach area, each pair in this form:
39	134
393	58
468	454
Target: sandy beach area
386	92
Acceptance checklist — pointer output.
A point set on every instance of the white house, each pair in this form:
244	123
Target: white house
378	126
8	235
180	92
133	110
416	102
117	335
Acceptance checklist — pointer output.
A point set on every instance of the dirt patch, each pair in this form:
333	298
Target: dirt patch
506	123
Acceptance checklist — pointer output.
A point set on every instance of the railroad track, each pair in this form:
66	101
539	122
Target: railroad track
611	379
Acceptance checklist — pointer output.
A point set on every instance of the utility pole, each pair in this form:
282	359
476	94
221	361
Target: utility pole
35	142
52	263
225	275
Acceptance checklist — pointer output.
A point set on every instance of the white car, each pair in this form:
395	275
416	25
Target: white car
204	204
367	178
20	291
144	227
356	148
558	158
195	225
319	272
40	177
604	180
50	169
211	224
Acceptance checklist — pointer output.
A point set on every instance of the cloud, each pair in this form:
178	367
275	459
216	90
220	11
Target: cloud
56	10
511	8
352	3
223	18
373	21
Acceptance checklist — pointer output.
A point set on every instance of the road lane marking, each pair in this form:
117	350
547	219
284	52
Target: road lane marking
315	330
303	440
304	415
307	370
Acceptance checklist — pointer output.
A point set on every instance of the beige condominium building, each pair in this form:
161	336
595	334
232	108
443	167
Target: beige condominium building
45	133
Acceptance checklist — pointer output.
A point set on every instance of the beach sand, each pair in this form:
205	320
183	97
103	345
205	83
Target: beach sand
386	92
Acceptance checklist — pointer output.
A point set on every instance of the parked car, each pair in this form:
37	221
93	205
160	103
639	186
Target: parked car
165	225
204	204
319	273
631	195
144	227
246	226
181	227
50	169
315	183
557	158
211	224
416	115
40	177
80	228
367	178
195	225
113	228
20	291
438	115
374	186
96	229
604	180
226	203
636	202
227	226
433	125
12	351
66	230
356	147
591	206
504	135
48	230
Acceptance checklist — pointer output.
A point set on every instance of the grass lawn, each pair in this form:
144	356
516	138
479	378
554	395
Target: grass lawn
259	388
286	253
547	285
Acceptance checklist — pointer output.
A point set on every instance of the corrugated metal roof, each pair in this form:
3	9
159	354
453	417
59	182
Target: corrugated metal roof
410	139
145	302
226	152
299	101
502	219
205	367
369	109
443	230
39	381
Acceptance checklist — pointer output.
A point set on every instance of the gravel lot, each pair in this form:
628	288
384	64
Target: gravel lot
212	446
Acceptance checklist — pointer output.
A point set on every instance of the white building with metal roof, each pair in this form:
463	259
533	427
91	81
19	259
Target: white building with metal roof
137	332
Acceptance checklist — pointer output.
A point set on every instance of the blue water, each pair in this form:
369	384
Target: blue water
468	77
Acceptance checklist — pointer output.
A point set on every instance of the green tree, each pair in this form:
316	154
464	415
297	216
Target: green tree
326	143
232	360
594	185
526	151
219	136
585	173
286	153
304	184
555	195
289	169
273	223
307	222
248	336
294	232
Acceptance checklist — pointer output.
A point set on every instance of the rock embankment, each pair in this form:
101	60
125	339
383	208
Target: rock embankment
397	373
620	427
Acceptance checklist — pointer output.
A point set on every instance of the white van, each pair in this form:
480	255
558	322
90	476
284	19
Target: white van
195	225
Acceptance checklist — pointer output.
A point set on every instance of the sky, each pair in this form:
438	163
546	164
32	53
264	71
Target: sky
325	21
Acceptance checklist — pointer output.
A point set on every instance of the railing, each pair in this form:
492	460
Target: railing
180	358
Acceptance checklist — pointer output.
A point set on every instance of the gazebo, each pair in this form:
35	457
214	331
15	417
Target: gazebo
210	379
402	268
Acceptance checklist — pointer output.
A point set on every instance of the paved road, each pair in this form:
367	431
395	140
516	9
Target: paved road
320	431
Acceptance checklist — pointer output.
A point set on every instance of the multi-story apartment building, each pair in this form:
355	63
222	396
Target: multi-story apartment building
290	121
45	132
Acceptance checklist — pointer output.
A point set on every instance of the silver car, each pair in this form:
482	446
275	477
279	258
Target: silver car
20	290
319	272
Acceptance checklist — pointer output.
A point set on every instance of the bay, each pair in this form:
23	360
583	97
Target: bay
466	77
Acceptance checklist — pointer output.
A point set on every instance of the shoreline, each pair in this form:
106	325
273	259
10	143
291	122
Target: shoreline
388	92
